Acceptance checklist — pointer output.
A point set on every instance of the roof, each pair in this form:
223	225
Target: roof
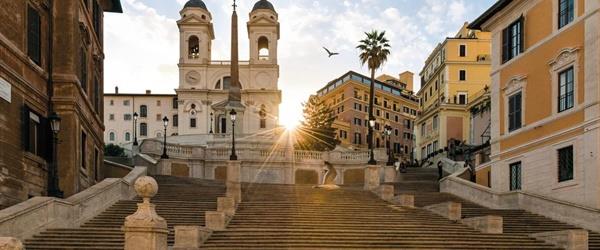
379	85
498	6
138	94
195	4
263	4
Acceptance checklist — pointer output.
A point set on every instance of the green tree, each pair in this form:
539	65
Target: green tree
113	150
316	131
374	52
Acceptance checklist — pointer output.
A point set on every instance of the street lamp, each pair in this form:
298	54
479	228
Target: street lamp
53	187
164	154
372	151
135	117
211	123
388	133
233	115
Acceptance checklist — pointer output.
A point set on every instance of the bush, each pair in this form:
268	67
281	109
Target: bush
114	150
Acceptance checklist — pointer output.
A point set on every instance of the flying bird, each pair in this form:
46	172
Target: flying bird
331	53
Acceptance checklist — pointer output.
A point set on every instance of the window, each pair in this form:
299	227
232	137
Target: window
463	50
514	112
566	10
565	164
515	176
83	146
512	40
357	121
112	102
407	124
387	115
96	164
32	131
396	118
423	153
158	117
566	85
127	117
111	136
193	47
422	129
263	116
435	122
192	122
462	98
396	132
158	103
83	73
111	117
127	136
462	75
97	14
96	96
175	104
263	48
357	138
143	111
435	146
175	120
143	129
34	35
125	102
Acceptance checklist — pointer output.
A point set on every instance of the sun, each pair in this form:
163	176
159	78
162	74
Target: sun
290	115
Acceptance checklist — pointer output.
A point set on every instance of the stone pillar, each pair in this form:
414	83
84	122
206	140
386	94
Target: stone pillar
234	178
371	177
449	210
389	174
386	192
489	224
10	243
573	239
145	230
214	220
405	200
190	237
226	205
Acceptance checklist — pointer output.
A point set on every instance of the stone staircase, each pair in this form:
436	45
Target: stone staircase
302	217
516	222
181	201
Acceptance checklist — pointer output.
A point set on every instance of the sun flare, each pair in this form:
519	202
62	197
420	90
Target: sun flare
290	115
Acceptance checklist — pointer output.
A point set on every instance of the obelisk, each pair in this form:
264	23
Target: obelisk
234	97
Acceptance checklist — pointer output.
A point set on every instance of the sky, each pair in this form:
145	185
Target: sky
142	44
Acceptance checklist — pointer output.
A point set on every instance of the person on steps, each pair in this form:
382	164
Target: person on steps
440	170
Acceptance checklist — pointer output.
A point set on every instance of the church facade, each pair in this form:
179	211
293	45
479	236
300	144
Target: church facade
204	83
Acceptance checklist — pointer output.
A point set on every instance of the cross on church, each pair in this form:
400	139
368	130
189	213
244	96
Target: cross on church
234	5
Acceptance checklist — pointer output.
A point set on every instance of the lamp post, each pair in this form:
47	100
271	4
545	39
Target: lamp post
164	154
211	123
233	115
135	117
53	187
388	133
372	151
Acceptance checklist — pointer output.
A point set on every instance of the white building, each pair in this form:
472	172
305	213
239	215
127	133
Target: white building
204	83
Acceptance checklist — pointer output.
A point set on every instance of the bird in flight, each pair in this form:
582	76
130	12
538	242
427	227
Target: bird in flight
331	53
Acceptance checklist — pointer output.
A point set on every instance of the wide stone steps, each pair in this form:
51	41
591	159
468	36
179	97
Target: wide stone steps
516	222
300	217
181	201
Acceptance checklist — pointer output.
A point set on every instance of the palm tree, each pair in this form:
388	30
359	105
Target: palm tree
374	52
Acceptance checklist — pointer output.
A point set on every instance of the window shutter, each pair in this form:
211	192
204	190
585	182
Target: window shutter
522	34
505	45
25	128
45	139
33	35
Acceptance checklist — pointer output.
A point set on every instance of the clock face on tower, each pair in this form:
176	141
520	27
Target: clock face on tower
192	77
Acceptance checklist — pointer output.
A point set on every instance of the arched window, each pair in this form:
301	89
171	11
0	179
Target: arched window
193	47
143	111
127	136
263	48
224	83
143	129
263	116
111	136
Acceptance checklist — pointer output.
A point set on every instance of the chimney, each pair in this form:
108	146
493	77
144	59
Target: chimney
148	92
116	89
406	77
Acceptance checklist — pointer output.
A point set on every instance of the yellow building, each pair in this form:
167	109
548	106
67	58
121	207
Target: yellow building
545	93
395	105
457	69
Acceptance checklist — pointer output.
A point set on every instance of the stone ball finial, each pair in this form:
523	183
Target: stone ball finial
9	243
146	187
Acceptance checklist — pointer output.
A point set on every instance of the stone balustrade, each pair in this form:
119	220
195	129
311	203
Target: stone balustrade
39	213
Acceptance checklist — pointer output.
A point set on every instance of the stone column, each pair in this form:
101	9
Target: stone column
371	177
10	243
145	230
234	178
389	174
190	237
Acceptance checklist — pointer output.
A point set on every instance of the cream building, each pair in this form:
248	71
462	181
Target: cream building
454	73
200	103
